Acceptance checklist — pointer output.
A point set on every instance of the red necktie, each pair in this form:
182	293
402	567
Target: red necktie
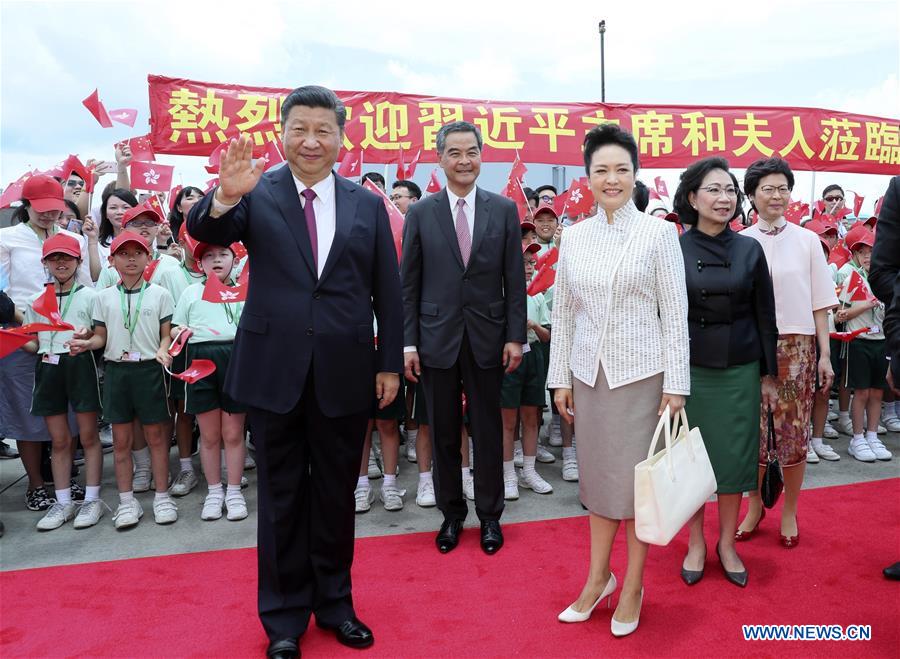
310	214
462	231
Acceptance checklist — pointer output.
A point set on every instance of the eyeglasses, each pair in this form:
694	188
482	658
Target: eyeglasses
142	224
770	190
395	197
546	197
72	183
715	190
833	198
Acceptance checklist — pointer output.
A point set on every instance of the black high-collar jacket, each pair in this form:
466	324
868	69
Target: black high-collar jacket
731	303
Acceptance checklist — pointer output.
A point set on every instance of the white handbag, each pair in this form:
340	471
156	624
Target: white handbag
670	487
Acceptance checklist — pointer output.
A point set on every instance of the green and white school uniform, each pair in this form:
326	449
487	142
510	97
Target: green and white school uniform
177	281
525	385
135	383
167	265
61	380
215	326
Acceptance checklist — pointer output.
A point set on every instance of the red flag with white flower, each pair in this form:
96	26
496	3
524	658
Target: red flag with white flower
125	116
542	280
550	257
212	163
351	165
217	292
272	156
434	185
405	171
96	108
210	185
196	370
173	195
661	188
579	198
141	148
72	165
394	216
151	176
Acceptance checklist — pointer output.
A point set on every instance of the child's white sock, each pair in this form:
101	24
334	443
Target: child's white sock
390	480
509	469
64	496
91	492
160	496
528	463
568	452
363	481
424	476
126	497
233	489
141	458
186	464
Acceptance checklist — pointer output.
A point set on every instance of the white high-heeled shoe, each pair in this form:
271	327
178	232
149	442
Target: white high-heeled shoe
571	615
625	628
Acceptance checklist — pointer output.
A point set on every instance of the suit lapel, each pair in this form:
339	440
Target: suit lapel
482	218
345	201
447	224
284	190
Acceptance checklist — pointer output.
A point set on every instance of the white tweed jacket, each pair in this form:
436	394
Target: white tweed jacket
620	301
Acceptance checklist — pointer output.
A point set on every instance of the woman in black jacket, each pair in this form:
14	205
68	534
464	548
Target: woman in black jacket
731	320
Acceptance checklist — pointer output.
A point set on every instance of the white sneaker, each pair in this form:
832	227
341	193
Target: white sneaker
545	456
89	514
425	494
570	469
829	432
533	481
878	449
57	515
554	436
249	462
860	449
811	456
128	514
184	482
824	451
392	497
141	480
235	507
411	451
212	505
518	456
364	497
845	425
511	488
468	483
891	422
881	430
374	469
165	511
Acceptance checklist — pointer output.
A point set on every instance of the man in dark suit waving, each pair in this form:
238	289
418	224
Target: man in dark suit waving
464	323
323	263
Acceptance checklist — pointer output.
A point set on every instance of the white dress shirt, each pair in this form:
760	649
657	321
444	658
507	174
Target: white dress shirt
323	205
21	266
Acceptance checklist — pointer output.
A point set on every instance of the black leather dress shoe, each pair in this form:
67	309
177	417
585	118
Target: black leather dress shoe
448	537
491	536
737	578
892	571
283	648
691	577
352	633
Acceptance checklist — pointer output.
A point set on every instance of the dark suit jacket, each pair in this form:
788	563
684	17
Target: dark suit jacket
292	319
884	275
441	297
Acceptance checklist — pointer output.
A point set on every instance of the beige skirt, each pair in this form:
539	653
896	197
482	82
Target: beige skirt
613	430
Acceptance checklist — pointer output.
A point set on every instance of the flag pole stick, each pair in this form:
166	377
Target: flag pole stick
812	192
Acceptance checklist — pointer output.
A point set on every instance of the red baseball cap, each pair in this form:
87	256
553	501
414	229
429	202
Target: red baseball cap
128	237
825	245
859	235
527	225
136	211
531	248
671	217
61	243
820	228
199	248
872	218
44	193
544	207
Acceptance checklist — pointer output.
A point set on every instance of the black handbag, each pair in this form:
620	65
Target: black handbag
773	482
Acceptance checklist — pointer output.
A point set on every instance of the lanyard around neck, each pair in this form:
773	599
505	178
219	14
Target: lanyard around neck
64	311
129	322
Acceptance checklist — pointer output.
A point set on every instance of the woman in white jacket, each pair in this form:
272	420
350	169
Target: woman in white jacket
620	353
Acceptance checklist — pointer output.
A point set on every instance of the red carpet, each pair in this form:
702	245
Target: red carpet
466	604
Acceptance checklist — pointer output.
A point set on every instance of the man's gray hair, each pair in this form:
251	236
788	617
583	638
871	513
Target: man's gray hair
456	127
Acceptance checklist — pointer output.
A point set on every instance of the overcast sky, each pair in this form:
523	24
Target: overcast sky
834	55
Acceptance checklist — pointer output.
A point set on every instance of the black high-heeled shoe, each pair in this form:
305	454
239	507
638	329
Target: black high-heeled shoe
691	577
737	578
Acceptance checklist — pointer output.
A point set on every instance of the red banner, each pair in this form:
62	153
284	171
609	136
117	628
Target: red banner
189	117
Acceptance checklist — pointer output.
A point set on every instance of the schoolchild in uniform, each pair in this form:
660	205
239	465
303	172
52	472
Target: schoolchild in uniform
62	381
523	394
132	324
213	326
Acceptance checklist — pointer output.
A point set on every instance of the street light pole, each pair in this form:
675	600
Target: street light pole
602	64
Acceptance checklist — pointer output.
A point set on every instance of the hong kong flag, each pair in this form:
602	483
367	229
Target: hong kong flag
579	198
548	258
125	116
351	165
141	148
215	158
196	370
542	280
661	186
394	215
434	185
406	171
173	195
272	156
217	292
72	165
151	176
95	107
210	184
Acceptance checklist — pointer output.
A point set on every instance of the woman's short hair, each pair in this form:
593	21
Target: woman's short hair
690	181
606	134
765	167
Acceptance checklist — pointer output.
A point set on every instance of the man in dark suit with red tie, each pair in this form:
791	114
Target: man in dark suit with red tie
464	311
322	265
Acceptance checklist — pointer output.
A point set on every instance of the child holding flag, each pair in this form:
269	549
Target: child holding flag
62	380
132	324
213	326
866	357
